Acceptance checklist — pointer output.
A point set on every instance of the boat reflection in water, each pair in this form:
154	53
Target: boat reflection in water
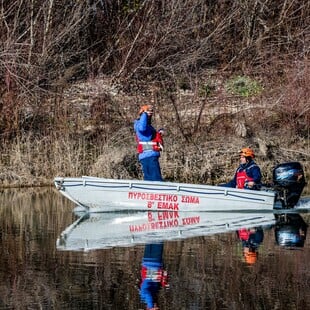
93	231
116	229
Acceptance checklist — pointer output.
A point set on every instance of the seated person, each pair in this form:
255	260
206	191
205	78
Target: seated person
248	174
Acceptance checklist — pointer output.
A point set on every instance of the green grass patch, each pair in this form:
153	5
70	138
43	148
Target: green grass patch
243	86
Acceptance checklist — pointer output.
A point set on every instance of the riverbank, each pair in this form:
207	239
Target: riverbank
203	134
219	78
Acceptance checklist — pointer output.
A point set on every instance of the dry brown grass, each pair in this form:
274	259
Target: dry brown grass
203	135
209	155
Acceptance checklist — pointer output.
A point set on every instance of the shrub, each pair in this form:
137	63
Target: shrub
243	86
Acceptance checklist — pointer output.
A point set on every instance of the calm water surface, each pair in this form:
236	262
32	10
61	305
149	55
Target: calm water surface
263	268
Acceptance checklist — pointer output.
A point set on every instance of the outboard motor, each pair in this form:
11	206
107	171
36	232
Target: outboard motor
289	181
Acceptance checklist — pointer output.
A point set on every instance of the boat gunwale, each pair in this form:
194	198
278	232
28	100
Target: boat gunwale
178	187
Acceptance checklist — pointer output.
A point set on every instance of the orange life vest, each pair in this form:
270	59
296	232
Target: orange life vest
242	178
155	144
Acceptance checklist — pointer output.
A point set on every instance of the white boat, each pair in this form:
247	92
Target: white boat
102	195
99	195
121	229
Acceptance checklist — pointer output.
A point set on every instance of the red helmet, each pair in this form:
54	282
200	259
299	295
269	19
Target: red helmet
247	152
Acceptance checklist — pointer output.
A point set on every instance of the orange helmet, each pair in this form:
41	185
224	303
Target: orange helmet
146	108
247	152
250	257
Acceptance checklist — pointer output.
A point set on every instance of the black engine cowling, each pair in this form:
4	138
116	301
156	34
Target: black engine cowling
289	181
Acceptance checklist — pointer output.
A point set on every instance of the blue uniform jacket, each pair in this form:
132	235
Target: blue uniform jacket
145	132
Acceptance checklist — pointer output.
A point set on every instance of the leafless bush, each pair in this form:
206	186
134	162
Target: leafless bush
39	55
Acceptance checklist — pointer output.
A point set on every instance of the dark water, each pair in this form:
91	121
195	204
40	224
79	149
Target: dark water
203	272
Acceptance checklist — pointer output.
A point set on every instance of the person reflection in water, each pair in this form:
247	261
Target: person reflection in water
153	275
251	240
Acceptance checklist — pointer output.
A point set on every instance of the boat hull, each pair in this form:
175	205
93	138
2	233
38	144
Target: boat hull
105	195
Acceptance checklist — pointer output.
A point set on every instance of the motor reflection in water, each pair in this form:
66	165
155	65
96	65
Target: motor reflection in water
290	230
153	275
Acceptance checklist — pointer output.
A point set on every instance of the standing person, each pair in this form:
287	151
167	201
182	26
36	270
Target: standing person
248	174
149	144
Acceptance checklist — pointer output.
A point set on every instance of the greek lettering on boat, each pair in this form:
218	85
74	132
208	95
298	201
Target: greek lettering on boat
191	220
169	198
164	220
153	196
158	225
165	215
167	205
190	199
